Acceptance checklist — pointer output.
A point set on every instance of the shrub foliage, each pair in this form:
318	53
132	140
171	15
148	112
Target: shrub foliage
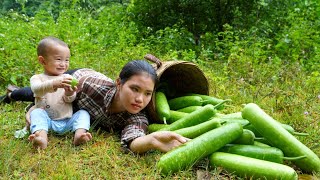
267	31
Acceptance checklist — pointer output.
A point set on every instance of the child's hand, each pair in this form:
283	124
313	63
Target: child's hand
71	86
69	91
63	82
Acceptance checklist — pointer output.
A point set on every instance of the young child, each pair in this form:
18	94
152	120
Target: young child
54	96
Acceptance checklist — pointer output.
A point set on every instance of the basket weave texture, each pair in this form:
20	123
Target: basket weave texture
184	77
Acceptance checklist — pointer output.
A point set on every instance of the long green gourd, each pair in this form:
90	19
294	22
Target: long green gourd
186	155
162	106
251	168
243	122
196	117
272	154
196	130
178	115
236	115
184	101
189	109
289	128
279	137
208	99
175	115
156	127
247	137
257	143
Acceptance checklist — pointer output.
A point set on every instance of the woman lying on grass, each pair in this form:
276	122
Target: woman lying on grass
118	105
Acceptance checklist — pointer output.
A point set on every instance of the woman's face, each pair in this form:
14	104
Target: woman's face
136	92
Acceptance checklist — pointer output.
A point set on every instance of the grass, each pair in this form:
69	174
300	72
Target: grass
289	98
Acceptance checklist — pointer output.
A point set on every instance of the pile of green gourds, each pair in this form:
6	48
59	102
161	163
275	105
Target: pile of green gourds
249	144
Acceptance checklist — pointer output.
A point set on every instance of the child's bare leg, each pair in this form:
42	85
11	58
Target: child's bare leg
39	139
81	136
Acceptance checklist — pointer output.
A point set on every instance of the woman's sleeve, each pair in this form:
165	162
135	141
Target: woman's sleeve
137	126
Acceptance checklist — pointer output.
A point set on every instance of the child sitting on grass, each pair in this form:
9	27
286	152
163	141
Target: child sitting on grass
54	96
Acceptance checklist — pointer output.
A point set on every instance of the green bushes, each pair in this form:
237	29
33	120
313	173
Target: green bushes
92	39
299	40
97	30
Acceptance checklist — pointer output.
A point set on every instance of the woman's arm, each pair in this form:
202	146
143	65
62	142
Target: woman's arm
134	136
161	140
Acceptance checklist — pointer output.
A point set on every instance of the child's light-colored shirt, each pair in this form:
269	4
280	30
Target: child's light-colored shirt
53	101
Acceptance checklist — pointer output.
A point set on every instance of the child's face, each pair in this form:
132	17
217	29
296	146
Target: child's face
56	61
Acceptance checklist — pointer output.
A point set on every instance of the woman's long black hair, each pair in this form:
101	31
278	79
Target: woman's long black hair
137	67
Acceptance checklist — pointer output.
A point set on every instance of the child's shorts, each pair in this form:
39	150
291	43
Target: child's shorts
41	121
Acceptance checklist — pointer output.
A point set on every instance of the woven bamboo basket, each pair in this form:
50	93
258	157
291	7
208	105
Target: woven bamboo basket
183	76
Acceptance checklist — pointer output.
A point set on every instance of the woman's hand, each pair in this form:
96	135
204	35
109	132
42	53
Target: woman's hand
166	140
163	141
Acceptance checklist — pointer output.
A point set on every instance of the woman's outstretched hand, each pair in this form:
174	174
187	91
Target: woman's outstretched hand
163	141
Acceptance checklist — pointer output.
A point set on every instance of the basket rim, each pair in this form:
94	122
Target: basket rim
175	63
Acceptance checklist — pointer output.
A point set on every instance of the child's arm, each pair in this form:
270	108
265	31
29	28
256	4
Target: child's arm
40	87
70	94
